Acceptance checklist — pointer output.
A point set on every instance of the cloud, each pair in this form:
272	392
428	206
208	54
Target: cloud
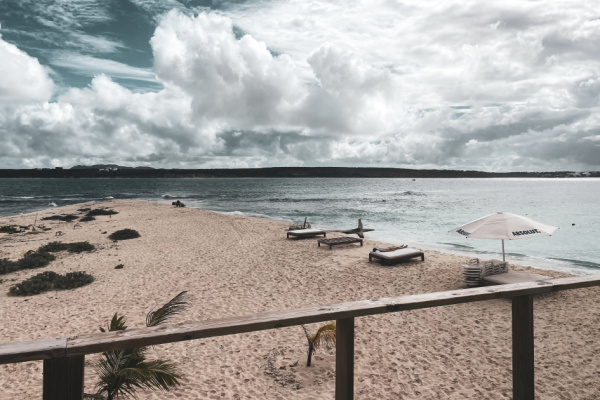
238	82
510	86
22	78
92	66
68	14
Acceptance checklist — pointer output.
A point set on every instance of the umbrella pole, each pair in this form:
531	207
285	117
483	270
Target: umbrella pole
503	258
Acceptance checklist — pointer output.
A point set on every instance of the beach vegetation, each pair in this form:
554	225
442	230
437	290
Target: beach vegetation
122	372
50	280
325	335
63	217
124	234
42	257
7	266
120	266
76	247
83	209
9	229
29	261
100	211
87	218
35	259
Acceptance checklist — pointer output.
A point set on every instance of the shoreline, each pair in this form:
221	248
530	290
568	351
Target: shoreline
574	267
234	265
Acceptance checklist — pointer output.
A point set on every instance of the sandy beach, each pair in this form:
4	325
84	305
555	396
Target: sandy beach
233	265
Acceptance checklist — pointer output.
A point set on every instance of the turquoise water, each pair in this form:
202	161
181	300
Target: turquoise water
416	212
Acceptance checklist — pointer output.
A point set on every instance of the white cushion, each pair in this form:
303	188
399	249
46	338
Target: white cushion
305	231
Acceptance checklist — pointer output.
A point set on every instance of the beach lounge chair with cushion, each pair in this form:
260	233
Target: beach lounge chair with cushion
513	277
338	241
304	233
391	257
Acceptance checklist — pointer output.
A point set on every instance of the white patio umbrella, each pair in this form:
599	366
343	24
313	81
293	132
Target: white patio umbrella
503	226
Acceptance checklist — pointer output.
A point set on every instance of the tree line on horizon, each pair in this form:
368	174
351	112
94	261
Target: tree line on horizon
115	171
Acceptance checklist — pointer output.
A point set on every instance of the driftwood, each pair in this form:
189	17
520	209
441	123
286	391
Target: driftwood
360	231
299	225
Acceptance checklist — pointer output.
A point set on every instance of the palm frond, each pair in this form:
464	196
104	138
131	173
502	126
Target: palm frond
325	335
116	324
175	306
122	372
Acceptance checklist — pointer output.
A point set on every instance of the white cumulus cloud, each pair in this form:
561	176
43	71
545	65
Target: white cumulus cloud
22	78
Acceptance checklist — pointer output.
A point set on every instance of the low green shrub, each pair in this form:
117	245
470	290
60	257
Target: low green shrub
53	247
120	266
77	247
9	229
84	209
124	234
87	218
100	211
50	280
65	217
80	247
36	259
42	257
7	266
31	260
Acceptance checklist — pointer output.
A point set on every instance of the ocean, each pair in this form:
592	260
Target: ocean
416	212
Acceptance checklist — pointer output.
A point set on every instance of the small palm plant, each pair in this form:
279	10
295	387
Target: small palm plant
122	372
324	335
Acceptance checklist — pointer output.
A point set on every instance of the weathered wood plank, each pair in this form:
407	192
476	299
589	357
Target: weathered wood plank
168	334
63	378
344	359
523	348
95	343
33	350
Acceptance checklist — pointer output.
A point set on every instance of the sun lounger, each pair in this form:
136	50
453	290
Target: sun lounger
391	257
475	270
304	233
339	240
513	277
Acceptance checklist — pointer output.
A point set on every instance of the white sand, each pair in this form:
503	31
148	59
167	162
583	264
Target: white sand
236	266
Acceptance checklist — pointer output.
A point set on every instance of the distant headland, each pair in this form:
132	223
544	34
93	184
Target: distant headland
116	171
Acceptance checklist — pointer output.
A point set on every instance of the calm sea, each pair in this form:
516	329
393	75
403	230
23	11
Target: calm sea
416	212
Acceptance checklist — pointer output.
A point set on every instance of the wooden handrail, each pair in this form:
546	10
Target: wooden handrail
99	342
52	351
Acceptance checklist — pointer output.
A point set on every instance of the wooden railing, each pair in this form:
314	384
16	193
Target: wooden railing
64	357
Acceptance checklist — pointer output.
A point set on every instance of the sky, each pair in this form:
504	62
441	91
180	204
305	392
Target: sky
476	85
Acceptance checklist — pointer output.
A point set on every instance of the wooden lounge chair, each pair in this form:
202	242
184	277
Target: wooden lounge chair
391	257
304	233
339	240
513	277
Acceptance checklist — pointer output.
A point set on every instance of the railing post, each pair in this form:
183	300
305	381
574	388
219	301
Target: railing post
344	359
522	339
63	378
